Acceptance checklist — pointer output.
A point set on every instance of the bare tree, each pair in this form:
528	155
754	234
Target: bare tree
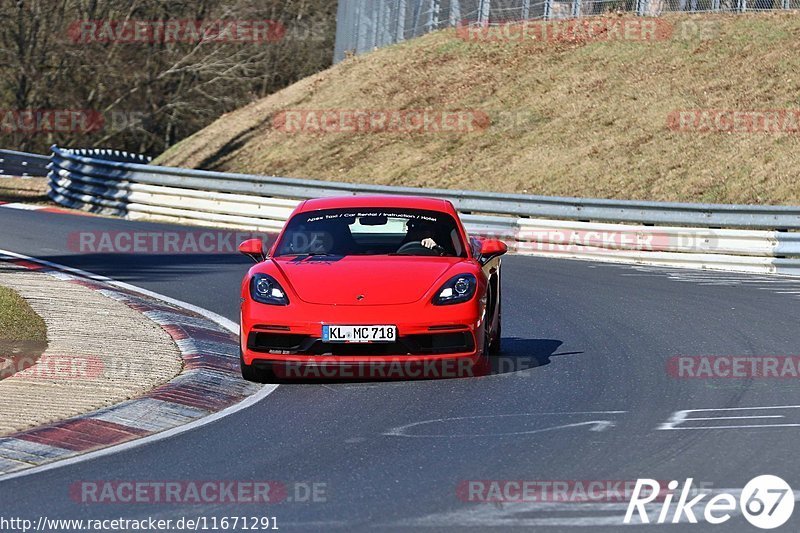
150	93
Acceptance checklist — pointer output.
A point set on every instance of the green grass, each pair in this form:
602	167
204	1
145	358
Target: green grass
18	322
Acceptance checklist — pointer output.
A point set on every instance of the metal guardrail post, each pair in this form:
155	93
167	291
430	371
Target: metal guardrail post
484	11
548	9
344	31
401	20
433	16
455	13
374	21
415	18
360	27
384	14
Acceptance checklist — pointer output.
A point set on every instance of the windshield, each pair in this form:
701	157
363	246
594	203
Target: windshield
372	231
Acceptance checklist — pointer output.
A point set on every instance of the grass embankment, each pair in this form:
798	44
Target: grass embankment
572	117
28	190
23	334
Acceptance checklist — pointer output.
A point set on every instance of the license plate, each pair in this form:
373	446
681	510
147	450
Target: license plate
359	333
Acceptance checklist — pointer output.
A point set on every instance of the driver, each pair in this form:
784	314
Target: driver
421	231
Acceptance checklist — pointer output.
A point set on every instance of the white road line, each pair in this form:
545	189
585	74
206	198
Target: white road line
751	426
681	419
523	514
222	321
23	207
594	425
230	325
737	417
743	408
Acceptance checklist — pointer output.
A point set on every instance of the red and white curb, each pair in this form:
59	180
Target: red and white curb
208	388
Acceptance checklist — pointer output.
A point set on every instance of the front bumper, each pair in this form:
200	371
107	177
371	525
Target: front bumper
436	367
437	342
438	354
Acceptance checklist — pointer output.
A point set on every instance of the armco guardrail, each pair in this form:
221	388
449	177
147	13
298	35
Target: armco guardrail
754	238
21	164
110	155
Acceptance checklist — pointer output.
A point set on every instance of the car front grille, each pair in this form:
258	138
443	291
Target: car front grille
424	344
266	342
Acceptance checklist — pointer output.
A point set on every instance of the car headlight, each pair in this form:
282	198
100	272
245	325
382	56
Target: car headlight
266	290
458	289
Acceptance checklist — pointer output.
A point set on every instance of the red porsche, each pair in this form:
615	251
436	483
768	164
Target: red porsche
370	287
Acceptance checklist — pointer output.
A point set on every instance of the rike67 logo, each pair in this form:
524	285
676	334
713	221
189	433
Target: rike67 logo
767	502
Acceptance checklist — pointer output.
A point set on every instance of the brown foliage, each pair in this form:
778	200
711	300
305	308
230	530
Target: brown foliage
154	93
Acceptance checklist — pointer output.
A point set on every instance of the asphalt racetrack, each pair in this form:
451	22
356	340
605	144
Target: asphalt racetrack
582	392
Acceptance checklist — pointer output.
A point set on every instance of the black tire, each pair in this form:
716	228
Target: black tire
496	341
495	346
252	373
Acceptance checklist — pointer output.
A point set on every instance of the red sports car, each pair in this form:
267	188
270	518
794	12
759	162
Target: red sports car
370	287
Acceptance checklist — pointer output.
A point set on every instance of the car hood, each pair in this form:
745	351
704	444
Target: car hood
377	280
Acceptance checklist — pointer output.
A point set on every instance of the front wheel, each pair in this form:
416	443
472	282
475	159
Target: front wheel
495	344
252	373
491	345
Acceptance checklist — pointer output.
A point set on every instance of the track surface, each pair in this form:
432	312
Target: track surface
600	335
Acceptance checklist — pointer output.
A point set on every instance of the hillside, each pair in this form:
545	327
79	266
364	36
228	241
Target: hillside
569	116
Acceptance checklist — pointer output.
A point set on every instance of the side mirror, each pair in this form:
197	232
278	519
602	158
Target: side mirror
254	249
491	248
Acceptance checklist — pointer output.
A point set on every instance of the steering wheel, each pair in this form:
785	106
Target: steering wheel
417	248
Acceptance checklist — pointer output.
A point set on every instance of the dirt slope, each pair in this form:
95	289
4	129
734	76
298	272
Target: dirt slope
571	115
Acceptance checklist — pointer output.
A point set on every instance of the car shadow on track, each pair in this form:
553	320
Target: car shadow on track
519	355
